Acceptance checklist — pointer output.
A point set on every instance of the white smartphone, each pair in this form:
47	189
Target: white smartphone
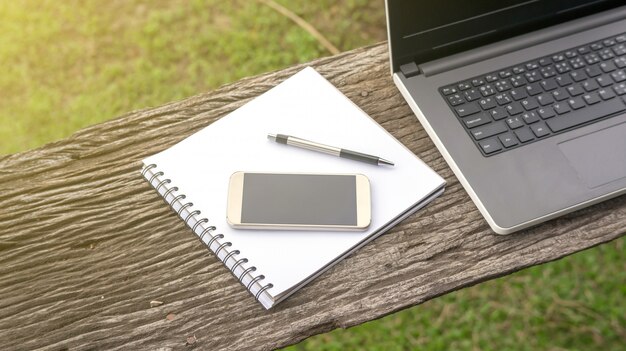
297	201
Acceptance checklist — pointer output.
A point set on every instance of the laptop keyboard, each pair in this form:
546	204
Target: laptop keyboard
531	101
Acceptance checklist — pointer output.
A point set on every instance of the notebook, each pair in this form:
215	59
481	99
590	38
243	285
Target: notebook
192	177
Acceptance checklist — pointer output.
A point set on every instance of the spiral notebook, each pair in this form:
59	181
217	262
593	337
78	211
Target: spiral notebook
192	177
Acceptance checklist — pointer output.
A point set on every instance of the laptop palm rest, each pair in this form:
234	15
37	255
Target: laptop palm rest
599	157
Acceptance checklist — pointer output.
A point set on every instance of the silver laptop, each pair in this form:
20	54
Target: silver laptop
526	100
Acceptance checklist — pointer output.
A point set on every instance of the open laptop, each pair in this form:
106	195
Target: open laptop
526	100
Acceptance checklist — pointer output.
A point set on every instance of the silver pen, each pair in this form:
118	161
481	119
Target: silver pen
335	151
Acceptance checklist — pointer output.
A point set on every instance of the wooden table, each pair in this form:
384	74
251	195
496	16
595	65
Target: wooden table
86	244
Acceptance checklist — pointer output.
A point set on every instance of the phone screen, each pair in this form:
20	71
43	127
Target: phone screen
307	199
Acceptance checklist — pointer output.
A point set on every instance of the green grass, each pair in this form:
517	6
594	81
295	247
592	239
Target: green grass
70	64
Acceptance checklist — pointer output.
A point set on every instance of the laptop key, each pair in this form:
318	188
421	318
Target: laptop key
503	99
505	74
606	54
518	81
476	120
618	76
455	99
561	108
449	90
518	94
478	82
545	99
575	90
530	103
467	109
609	42
590	85
530	117
531	66
577	63
532	76
464	86
620	50
620	89
593	71
524	134
606	94
491	77
514	122
508	140
564	80
502	85
588	114
490	146
540	129
604	81
487	103
576	103
549	84
487	90
534	89
607	67
563	67
570	54
592	98
514	108
560	94
489	130
578	75
472	94
546	112
500	113
547	72
592	58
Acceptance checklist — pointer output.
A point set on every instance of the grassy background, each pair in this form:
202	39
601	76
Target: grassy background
69	64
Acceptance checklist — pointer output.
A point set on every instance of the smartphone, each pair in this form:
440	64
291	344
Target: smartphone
296	201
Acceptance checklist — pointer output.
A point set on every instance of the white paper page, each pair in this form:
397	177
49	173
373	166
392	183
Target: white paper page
309	107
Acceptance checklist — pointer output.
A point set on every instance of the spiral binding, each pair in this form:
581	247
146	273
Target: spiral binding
208	230
203	220
268	286
247	271
234	252
163	182
243	260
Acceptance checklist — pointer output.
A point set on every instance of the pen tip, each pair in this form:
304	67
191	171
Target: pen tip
382	161
271	136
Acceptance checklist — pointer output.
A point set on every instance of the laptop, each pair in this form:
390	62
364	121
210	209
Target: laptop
525	100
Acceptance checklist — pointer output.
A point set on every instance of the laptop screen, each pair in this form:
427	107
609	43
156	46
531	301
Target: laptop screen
422	31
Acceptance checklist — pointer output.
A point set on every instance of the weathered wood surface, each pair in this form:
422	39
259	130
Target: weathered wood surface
86	243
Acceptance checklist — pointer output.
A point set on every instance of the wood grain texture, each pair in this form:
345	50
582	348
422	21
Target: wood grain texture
86	243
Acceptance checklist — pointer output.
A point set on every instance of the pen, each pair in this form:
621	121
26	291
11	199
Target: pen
335	151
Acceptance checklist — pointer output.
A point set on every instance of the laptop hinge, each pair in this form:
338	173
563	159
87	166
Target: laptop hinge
410	69
520	42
